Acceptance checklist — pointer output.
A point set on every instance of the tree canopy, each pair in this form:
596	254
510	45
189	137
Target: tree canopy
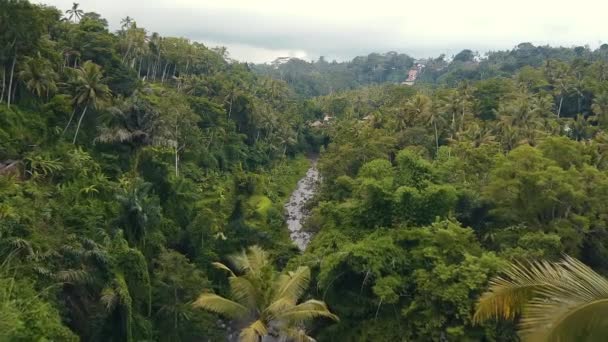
132	163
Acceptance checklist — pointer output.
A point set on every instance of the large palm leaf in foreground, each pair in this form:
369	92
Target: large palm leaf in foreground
557	301
264	299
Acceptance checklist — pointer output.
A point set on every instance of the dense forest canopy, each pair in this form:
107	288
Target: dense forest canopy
143	179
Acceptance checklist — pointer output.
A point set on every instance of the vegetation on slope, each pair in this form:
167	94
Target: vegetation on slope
131	162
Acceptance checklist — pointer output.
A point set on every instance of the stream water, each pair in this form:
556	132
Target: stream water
295	208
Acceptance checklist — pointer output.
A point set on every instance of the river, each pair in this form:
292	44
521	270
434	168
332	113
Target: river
295	208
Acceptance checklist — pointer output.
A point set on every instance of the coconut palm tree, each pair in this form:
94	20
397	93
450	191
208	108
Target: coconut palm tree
74	13
133	120
450	105
38	76
556	301
434	119
600	109
89	90
414	110
126	22
265	300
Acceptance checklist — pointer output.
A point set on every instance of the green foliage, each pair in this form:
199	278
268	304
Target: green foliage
27	314
321	77
184	156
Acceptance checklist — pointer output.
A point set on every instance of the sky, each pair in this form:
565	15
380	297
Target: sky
260	31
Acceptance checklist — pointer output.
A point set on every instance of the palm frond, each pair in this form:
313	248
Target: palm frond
253	259
307	311
559	301
565	321
112	135
296	334
109	298
574	309
240	261
244	292
258	258
221	266
508	295
73	276
254	332
278	306
221	305
293	285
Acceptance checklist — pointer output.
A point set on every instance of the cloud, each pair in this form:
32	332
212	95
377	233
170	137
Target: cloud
263	30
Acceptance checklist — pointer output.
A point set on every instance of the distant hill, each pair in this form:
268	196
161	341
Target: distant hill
322	77
310	79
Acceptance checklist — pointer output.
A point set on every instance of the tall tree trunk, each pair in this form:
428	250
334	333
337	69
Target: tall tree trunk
176	162
3	83
162	80
436	139
10	82
79	122
176	153
175	311
559	109
158	61
69	121
230	107
462	123
453	124
148	67
210	141
124	58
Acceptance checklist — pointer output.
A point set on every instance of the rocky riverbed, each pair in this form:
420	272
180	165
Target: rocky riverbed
295	211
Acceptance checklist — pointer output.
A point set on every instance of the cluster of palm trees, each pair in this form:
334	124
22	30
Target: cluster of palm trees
85	84
523	119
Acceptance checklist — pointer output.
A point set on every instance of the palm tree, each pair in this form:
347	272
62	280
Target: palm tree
600	109
263	299
557	301
465	93
126	22
433	119
519	122
415	110
88	90
560	79
38	76
451	106
74	13
140	212
580	128
133	120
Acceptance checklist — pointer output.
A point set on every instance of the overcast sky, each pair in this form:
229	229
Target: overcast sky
260	31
